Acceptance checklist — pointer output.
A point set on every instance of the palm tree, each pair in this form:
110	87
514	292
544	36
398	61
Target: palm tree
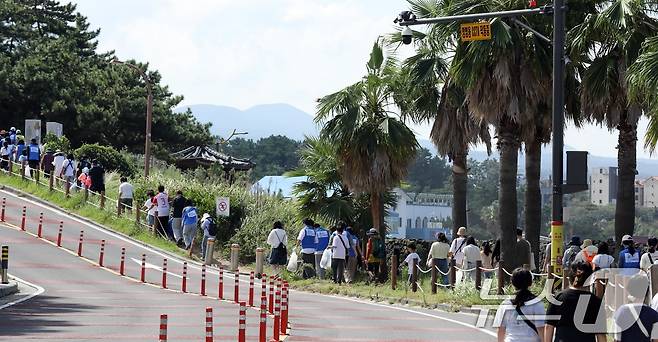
374	148
608	43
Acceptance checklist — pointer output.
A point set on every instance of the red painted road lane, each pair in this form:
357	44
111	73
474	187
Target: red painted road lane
317	317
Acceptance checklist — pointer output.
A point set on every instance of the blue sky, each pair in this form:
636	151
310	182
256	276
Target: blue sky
243	53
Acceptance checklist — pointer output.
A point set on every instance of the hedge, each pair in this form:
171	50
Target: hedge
110	158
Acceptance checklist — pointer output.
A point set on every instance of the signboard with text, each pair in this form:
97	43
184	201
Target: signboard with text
475	31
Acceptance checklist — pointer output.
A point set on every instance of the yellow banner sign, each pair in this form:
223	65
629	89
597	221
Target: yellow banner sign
475	31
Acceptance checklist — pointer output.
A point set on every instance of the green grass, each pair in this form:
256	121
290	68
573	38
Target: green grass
75	204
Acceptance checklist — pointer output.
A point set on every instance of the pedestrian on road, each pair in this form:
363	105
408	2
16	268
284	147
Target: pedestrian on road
125	195
68	171
339	243
322	238
569	326
97	175
651	256
354	255
190	218
177	204
278	241
634	321
456	251
161	204
33	156
603	259
412	259
486	255
438	256
629	257
471	257
376	254
209	228
307	240
47	163
517	324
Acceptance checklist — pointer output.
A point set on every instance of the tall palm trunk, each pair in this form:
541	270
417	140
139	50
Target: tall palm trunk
533	195
626	154
508	146
376	210
459	182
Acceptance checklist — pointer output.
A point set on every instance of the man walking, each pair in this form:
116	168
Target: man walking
33	156
47	163
307	239
161	203
125	195
97	175
177	204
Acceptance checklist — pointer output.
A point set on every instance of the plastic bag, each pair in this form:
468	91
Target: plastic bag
292	263
325	262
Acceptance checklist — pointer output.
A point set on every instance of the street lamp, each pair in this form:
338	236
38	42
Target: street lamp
149	112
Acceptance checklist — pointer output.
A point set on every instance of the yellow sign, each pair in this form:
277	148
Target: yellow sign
557	241
475	31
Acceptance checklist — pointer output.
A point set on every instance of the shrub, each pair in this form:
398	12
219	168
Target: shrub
57	143
110	158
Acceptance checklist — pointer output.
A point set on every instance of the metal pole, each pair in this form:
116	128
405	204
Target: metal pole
149	120
476	16
558	136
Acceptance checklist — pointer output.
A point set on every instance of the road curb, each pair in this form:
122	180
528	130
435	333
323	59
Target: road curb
8	289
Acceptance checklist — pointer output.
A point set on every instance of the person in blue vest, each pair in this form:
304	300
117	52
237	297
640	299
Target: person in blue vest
12	135
354	255
322	238
306	239
33	156
629	257
19	149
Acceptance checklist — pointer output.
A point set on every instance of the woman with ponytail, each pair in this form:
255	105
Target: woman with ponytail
521	322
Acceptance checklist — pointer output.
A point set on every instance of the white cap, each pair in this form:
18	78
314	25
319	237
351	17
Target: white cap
627	238
205	216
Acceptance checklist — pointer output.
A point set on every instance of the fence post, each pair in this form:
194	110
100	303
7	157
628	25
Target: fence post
67	188
118	206
394	271
156	225
478	274
51	181
163	328
102	194
414	276
36	176
137	215
23	163
259	261
11	167
5	264
85	196
235	252
452	274
434	275
207	259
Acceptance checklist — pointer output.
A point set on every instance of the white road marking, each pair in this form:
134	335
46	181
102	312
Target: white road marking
157	268
39	291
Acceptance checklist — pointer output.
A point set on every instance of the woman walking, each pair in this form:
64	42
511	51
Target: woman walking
438	256
603	259
516	326
278	240
487	259
339	247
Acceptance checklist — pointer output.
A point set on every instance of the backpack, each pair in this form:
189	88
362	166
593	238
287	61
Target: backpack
379	249
570	256
212	227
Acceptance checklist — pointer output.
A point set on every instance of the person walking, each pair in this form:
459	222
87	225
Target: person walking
629	257
471	257
322	238
161	203
4	155
68	171
307	240
523	250
97	175
571	252
150	208
651	256
354	254
587	252
278	241
376	254
190	219
58	162
20	147
517	324
568	327
46	164
339	243
438	256
33	156
125	195
209	228
603	259
634	321
412	260
486	255
84	180
177	204
456	251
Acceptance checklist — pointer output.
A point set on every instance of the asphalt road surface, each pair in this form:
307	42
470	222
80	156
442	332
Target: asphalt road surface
82	301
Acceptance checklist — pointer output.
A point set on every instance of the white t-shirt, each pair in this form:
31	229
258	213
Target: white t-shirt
603	260
410	258
4	151
162	200
277	236
125	190
471	254
517	330
68	168
148	204
338	249
457	249
645	261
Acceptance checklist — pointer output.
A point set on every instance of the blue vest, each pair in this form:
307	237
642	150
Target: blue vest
309	238
353	240
33	152
19	150
630	260
323	239
13	138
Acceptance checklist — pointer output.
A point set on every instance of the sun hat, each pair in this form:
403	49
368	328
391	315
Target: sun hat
626	238
586	243
461	231
205	216
371	232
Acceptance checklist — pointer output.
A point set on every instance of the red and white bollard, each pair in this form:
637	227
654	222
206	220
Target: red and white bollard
184	285
164	273
40	228
242	323
284	309
220	287
102	254
262	334
203	280
236	288
251	288
82	232
122	264
23	218
263	289
2	213
271	295
142	276
59	234
277	316
209	324
163	328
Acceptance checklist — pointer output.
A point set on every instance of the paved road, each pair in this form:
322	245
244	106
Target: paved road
83	301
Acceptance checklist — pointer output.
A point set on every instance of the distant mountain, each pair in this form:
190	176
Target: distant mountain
259	121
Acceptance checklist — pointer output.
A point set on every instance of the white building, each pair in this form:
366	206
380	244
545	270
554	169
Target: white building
419	215
603	186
